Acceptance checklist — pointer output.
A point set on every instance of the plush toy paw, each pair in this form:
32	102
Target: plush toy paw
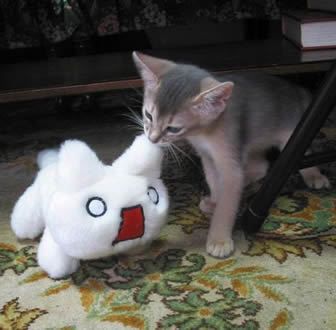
220	249
58	268
53	260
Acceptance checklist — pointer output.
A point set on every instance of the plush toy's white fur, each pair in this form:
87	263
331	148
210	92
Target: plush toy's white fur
57	203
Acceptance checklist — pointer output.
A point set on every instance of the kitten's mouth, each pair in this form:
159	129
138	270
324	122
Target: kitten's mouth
132	225
163	144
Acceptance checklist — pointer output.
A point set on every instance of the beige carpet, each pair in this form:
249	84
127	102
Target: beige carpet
281	280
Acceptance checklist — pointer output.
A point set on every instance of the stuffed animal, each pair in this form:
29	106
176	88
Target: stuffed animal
88	210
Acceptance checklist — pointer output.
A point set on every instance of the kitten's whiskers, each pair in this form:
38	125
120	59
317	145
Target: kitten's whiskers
138	101
134	118
173	154
134	128
185	154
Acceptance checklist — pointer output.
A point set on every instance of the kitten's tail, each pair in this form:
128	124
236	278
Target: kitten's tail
47	157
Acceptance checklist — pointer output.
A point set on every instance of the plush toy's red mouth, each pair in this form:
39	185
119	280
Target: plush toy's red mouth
132	225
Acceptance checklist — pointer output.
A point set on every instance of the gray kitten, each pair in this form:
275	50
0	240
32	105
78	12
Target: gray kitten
230	123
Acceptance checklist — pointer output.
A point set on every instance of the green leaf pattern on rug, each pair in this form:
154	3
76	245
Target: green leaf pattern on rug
219	295
196	312
102	303
329	240
281	249
244	280
160	275
93	269
184	208
19	260
12	316
301	214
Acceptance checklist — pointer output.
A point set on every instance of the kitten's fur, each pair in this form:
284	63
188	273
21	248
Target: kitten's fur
230	123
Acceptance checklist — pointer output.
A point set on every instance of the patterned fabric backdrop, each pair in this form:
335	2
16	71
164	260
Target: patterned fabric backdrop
25	23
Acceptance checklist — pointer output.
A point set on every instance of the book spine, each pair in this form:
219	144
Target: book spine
292	29
322	5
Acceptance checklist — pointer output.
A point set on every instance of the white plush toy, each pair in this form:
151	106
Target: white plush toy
88	210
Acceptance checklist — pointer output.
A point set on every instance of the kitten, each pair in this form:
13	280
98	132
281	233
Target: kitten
231	123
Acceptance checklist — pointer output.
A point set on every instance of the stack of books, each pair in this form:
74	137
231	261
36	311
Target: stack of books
314	28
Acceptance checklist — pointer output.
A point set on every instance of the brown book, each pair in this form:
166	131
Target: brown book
310	29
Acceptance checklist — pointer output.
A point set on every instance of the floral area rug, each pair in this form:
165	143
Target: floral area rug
284	278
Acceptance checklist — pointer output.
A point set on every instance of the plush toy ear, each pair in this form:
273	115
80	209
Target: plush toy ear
141	158
212	100
78	166
151	68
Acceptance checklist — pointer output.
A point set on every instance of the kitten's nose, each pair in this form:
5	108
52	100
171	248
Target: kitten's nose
154	137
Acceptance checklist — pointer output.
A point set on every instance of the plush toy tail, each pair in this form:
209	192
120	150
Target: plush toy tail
47	157
26	218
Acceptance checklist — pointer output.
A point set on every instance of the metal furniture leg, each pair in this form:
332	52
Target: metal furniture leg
290	158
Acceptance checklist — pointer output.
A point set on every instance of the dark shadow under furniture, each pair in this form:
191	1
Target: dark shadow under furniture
91	74
78	75
292	157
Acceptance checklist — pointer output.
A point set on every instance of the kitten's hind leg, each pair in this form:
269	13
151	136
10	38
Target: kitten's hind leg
256	167
312	176
314	179
208	203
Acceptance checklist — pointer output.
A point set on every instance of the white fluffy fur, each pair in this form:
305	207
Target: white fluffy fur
55	204
46	157
143	158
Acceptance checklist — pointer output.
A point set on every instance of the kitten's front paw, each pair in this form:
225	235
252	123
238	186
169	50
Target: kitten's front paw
207	206
220	249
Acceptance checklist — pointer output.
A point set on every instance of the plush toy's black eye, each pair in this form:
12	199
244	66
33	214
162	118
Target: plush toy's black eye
96	207
153	195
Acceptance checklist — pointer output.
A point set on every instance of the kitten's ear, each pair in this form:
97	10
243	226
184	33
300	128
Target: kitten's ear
151	68
212	100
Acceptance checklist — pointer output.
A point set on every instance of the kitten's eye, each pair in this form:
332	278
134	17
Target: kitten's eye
96	207
148	115
174	130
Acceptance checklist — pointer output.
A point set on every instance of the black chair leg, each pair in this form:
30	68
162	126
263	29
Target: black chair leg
290	158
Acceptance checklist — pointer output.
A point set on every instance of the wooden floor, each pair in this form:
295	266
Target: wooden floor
98	73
